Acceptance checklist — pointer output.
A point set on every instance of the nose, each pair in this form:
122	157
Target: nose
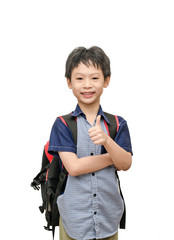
87	83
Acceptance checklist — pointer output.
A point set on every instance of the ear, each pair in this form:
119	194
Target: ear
69	83
107	81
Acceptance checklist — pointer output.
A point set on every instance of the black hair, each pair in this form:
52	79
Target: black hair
94	55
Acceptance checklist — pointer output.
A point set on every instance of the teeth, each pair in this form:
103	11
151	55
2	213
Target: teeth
87	93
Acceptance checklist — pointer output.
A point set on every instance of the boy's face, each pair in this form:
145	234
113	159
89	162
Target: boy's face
87	83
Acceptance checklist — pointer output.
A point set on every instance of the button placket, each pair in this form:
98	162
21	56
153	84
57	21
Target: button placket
93	150
95	202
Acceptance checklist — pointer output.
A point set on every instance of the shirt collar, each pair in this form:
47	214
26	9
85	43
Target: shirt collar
78	111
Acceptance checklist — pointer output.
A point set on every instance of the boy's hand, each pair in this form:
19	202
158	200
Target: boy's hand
97	135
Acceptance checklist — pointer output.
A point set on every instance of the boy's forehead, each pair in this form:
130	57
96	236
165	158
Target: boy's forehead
82	69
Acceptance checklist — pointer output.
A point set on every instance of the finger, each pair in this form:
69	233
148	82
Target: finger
92	129
95	138
97	142
93	134
98	121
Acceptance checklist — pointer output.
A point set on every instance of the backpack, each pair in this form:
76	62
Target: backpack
52	177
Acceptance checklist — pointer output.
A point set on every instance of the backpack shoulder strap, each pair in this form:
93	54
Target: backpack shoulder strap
114	124
72	124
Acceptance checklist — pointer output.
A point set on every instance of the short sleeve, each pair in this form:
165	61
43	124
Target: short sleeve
123	136
61	139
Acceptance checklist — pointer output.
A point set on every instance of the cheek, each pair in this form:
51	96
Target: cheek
99	89
76	91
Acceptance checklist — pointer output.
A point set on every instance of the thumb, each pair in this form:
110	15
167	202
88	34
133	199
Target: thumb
98	121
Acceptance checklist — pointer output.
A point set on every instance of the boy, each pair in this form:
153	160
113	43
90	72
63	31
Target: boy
91	206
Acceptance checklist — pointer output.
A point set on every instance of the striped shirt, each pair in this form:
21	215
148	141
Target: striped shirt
91	205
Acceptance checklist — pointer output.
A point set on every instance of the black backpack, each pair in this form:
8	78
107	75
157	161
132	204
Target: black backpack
52	177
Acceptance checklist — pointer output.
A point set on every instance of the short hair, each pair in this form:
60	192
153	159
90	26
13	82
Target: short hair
94	55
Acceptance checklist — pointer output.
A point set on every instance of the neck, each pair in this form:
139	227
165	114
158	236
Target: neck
90	111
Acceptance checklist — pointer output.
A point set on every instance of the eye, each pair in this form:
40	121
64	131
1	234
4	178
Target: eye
95	78
79	78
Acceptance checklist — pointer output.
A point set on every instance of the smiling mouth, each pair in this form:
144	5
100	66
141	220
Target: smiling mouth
87	94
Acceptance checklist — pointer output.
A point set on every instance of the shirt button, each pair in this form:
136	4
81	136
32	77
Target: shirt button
95	195
93	174
95	213
91	154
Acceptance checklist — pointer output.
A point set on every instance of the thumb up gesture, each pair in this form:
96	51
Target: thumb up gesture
98	121
97	135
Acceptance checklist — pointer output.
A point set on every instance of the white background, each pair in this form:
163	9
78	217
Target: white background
36	38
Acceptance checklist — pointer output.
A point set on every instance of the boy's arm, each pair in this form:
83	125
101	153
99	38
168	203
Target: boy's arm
122	159
78	166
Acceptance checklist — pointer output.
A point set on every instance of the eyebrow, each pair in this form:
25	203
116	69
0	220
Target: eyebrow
91	74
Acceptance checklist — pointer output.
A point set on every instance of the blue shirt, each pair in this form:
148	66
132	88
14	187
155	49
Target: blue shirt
91	206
